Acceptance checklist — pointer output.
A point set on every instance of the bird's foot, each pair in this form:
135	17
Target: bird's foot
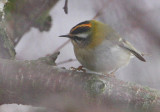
111	74
80	68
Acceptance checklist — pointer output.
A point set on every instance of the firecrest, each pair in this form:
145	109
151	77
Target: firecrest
99	48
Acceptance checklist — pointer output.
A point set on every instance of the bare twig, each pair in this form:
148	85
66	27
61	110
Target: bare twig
60	47
49	59
66	7
101	10
66	61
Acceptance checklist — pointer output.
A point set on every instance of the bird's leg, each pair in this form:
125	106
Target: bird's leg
80	68
111	74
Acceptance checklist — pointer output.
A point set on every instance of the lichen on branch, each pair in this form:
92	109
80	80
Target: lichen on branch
6	45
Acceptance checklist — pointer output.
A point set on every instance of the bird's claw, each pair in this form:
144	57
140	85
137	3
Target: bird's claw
80	68
111	75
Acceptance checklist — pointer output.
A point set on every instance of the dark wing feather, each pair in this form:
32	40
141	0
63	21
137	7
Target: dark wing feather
115	38
126	45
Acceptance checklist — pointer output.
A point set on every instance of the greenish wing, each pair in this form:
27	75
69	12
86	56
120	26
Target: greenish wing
116	39
126	45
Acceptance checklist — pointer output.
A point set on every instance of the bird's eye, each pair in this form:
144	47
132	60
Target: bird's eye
79	39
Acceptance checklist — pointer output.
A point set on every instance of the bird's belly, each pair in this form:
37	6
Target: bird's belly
105	60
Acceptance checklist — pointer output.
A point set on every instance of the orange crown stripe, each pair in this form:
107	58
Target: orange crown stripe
83	25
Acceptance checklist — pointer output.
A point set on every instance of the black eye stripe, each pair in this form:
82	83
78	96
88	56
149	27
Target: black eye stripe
80	30
79	40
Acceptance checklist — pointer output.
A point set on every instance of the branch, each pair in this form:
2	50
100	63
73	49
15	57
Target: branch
29	13
6	45
66	7
100	11
66	61
29	82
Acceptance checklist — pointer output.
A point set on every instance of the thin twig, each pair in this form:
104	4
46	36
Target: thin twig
66	61
101	9
66	7
60	47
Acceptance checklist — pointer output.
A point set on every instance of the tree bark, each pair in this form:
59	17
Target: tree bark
28	82
30	13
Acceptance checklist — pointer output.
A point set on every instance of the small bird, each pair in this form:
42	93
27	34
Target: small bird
99	48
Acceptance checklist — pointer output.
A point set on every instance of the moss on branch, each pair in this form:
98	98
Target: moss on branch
29	13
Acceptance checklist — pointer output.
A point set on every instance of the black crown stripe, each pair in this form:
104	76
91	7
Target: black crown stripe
85	22
80	30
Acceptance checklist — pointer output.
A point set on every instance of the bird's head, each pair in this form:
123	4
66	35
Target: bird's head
87	33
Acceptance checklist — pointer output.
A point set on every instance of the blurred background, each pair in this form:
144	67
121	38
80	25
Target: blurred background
137	21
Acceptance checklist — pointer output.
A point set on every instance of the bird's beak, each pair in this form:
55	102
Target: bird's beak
65	36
